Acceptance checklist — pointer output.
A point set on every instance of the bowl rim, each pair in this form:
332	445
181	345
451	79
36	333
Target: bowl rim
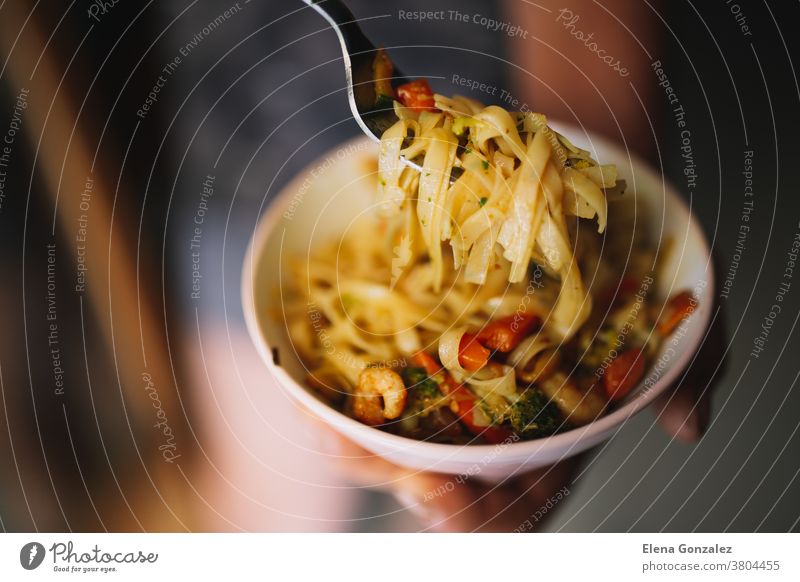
270	219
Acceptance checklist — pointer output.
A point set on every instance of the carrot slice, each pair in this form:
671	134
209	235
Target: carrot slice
506	333
677	309
465	403
426	361
623	374
471	354
417	95
463	398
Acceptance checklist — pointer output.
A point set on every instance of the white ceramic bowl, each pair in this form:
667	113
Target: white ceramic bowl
320	203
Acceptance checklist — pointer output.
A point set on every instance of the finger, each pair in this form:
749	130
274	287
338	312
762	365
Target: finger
684	412
357	465
450	503
442	502
674	414
535	497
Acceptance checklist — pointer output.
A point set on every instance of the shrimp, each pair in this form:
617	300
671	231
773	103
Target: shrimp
578	406
379	395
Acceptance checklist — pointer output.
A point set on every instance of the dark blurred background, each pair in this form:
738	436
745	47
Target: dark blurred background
128	404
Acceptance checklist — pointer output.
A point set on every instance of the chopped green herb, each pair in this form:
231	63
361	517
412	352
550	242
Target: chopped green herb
418	379
485	164
483	200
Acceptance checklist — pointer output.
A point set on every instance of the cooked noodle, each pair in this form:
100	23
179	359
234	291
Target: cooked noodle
518	182
468	283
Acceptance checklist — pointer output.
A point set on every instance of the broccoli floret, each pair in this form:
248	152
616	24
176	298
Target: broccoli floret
534	415
418	381
423	391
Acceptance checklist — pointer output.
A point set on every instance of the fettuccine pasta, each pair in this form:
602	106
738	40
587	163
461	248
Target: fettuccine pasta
494	186
458	312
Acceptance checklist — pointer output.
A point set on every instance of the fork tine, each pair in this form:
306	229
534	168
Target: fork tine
358	54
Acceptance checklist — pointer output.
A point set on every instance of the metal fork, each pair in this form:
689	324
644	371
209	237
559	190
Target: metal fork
358	54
